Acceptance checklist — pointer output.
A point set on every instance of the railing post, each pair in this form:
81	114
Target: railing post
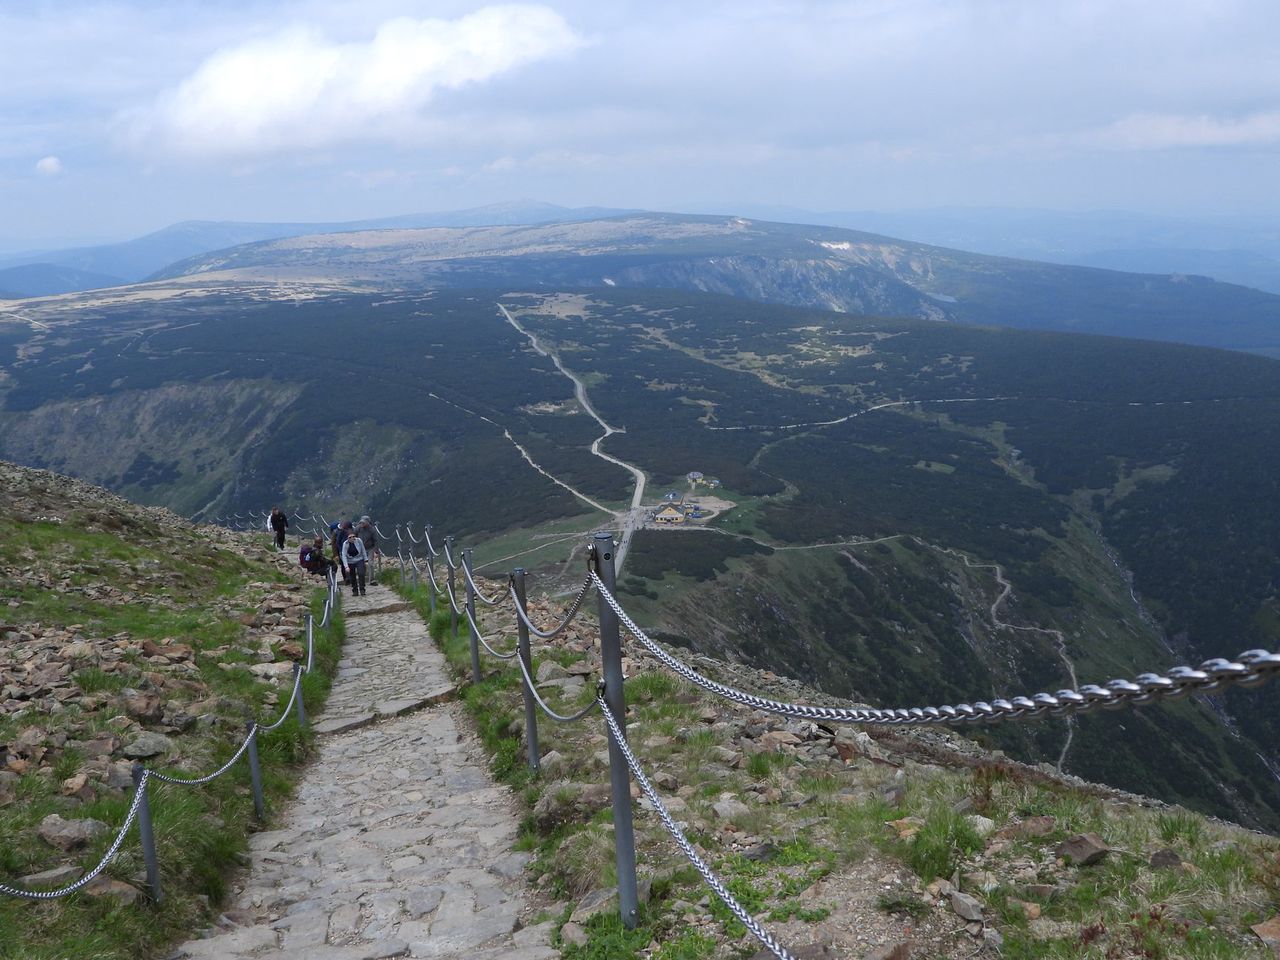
311	641
530	710
471	617
453	586
431	568
624	842
297	701
147	834
255	772
413	563
400	560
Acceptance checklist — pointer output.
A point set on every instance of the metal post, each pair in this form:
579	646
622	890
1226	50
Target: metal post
414	563
147	834
530	710
453	586
400	561
471	618
297	701
311	641
431	568
624	842
255	772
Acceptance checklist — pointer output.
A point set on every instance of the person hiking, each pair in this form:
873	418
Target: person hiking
311	557
279	523
338	539
370	540
354	560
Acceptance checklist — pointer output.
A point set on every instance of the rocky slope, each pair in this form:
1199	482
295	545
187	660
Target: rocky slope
129	635
857	843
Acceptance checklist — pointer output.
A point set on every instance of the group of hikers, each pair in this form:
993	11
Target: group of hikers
351	549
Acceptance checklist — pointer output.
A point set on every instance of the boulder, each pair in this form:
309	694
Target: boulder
1084	849
148	745
69	834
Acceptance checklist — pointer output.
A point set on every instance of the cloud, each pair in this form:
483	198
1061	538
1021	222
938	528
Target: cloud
49	166
1158	131
299	89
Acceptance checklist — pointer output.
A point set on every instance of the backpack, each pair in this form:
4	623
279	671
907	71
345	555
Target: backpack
304	555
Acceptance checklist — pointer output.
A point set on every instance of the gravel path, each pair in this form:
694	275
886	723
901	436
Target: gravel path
398	843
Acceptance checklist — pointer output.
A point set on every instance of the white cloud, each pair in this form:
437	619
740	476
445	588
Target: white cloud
1158	131
299	89
49	166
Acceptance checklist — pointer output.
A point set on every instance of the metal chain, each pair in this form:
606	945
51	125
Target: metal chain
426	535
476	590
448	556
431	575
408	528
138	793
483	642
748	921
573	612
253	729
381	535
293	695
537	698
453	601
1252	668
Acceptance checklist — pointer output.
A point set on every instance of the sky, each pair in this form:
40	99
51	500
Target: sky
119	118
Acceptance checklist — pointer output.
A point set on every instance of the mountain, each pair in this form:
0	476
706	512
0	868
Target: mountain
46	279
793	264
915	512
85	268
1239	250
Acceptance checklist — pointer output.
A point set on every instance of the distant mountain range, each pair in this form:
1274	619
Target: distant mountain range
89	268
783	263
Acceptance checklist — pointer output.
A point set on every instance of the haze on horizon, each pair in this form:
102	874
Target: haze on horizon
117	119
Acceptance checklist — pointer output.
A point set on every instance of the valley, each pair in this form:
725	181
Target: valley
921	513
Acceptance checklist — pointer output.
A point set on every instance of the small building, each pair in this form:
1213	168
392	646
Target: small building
711	482
695	476
669	513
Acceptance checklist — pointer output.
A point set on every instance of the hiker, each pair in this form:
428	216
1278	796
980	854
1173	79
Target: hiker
279	523
338	533
311	556
370	540
354	559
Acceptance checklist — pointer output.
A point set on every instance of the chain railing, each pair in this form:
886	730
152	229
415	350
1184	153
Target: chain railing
1251	668
139	807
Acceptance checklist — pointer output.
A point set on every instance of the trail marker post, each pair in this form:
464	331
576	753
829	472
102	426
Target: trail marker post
619	775
530	710
471	617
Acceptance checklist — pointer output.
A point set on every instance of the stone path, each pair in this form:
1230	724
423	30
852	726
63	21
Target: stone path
398	843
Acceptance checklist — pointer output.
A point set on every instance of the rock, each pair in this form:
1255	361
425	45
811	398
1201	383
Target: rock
1165	860
729	807
1030	827
982	826
1084	849
145	707
53	879
148	745
966	907
992	937
69	834
598	901
1031	911
105	887
77	786
573	934
905	828
1269	933
982	880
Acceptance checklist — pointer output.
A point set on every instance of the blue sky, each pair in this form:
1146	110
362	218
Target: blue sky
117	118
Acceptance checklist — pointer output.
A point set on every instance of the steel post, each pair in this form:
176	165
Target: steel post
471	618
431	568
297	701
624	842
311	641
147	834
530	709
255	773
453	586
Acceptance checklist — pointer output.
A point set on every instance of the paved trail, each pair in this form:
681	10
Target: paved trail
398	843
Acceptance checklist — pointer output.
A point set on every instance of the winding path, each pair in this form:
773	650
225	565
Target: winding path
630	518
398	843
